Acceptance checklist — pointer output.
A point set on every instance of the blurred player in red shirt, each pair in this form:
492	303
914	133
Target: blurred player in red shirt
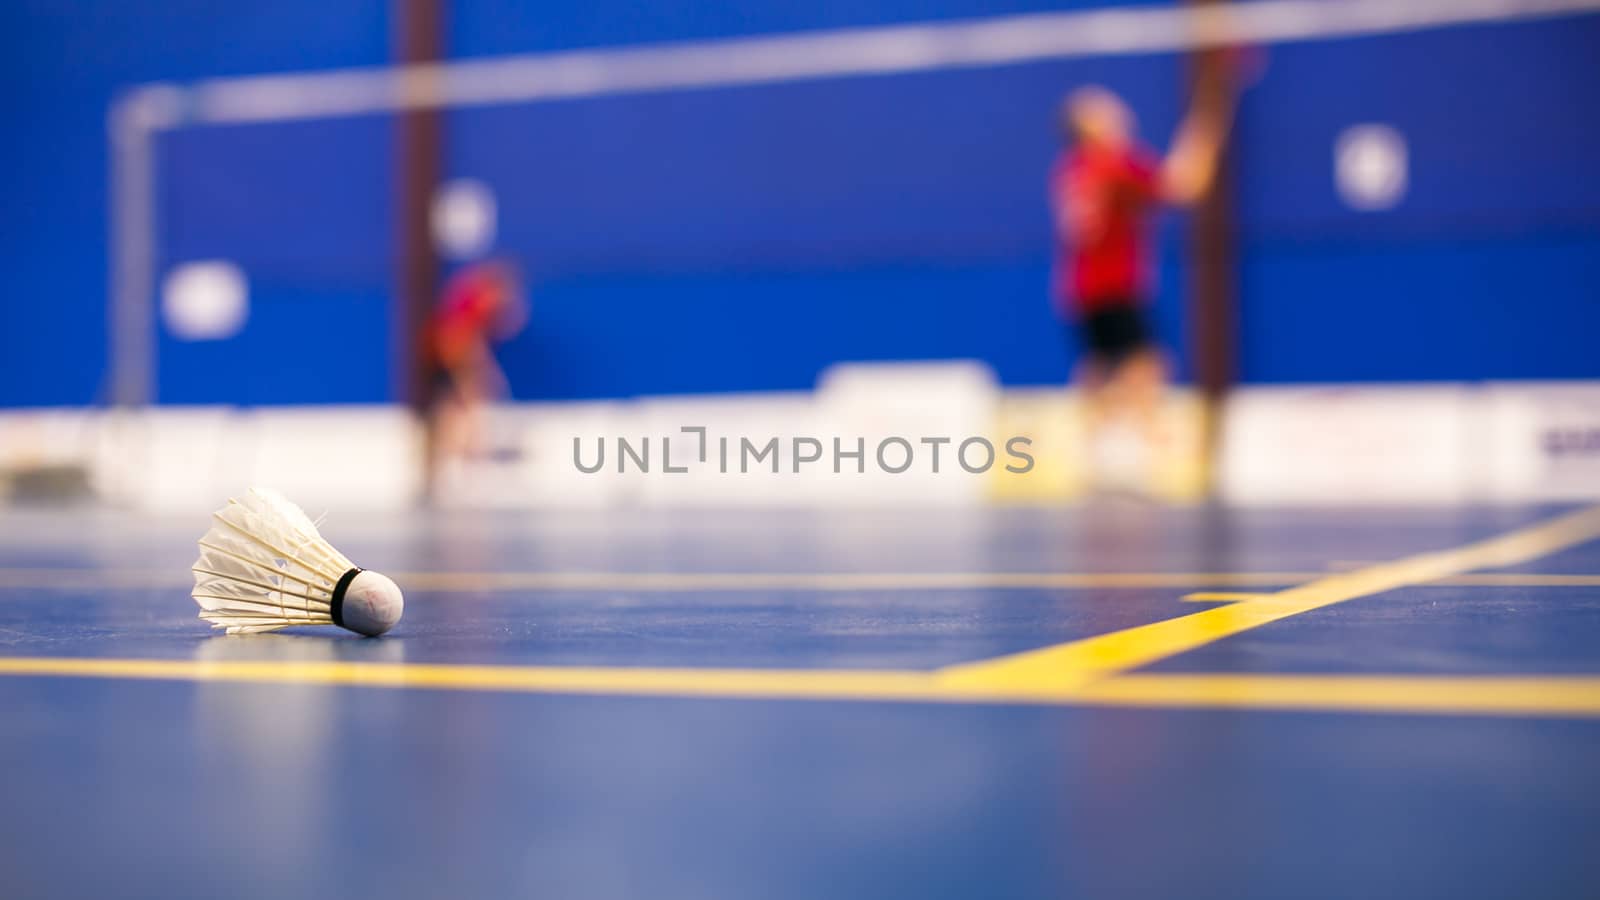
481	304
1105	189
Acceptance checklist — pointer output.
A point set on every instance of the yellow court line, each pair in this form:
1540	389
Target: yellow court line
778	683
1558	696
487	582
1221	597
1519	579
1453	695
1092	659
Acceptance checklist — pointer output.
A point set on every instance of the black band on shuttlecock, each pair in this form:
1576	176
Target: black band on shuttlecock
336	605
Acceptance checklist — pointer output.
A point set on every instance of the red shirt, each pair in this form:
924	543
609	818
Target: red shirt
1102	258
465	316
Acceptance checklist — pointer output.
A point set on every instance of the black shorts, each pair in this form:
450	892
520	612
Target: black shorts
1114	333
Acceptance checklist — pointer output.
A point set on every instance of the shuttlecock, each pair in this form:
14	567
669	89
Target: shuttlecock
263	566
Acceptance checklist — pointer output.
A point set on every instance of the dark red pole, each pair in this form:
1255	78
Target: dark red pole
1213	268
419	38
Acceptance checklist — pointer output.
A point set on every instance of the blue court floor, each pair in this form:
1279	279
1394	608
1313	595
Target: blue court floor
1113	701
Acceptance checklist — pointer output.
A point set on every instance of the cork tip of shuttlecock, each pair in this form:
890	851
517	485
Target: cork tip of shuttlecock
372	604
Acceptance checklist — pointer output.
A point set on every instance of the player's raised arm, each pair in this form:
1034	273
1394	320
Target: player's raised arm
1192	162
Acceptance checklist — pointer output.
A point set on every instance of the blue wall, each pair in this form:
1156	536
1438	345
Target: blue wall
1490	265
63	60
744	239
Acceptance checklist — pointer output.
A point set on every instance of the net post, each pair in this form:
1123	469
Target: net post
132	122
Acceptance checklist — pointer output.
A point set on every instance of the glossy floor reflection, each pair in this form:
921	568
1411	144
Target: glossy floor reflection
182	786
